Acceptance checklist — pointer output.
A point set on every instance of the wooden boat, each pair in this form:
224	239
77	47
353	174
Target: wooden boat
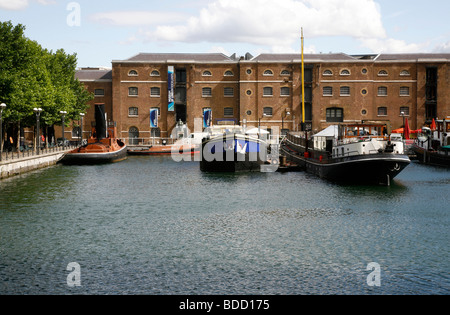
355	154
102	148
433	144
165	150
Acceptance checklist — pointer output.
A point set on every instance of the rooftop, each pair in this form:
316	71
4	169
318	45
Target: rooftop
177	57
93	74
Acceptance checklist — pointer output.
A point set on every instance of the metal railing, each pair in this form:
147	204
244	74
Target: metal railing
26	152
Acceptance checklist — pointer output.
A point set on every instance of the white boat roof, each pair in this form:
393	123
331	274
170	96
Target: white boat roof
331	131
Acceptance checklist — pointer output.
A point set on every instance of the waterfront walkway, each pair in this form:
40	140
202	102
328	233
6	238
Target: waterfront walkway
15	163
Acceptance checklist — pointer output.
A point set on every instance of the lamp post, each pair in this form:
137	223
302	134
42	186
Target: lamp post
286	112
63	115
81	128
2	107
38	129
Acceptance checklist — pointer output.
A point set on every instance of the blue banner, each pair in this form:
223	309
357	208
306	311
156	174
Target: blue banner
171	85
207	117
154	118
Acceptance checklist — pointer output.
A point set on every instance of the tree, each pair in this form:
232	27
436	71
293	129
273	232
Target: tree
33	77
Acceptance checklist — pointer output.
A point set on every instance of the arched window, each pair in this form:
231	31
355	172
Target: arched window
132	73
382	73
268	72
133	136
207	73
155	73
285	72
405	73
327	72
345	72
228	73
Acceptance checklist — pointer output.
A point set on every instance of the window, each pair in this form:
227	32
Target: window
268	91
133	135
207	73
382	91
133	91
133	111
99	92
327	73
382	111
404	91
228	92
382	73
76	132
345	91
345	72
155	73
405	73
229	73
133	73
228	111
268	72
268	111
207	92
404	111
327	91
155	92
285	91
285	72
335	115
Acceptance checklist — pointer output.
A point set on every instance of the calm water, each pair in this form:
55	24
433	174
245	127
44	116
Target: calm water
152	226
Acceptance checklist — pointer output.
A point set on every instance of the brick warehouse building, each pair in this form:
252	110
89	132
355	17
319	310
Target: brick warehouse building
266	90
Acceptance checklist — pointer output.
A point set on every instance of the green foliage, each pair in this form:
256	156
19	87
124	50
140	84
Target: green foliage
33	77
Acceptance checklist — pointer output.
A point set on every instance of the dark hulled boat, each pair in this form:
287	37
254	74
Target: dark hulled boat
233	152
103	147
355	154
433	144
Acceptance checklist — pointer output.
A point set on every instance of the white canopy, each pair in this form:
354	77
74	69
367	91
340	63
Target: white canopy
255	131
331	131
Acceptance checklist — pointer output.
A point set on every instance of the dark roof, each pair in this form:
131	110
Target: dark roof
180	57
415	57
307	57
93	75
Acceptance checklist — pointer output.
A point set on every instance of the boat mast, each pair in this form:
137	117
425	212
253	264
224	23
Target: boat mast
303	84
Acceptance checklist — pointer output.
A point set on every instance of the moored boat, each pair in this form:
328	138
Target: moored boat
356	154
103	147
433	144
231	150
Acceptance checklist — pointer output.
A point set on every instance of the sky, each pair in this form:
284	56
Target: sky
100	31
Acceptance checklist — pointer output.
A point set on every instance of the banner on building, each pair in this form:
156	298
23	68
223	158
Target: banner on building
154	118
207	117
171	88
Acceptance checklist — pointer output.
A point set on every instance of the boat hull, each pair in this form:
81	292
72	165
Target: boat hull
74	158
377	169
165	150
231	154
431	157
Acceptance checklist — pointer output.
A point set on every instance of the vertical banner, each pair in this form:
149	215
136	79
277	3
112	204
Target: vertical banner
154	118
207	117
171	90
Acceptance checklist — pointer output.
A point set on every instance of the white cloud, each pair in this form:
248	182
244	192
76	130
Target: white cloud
275	23
17	5
13	4
390	45
135	18
442	48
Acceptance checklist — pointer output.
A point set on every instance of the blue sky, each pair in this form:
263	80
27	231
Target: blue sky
100	31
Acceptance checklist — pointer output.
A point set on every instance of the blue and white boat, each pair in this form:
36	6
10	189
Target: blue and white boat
229	149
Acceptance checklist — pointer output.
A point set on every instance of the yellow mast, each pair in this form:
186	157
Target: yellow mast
303	83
